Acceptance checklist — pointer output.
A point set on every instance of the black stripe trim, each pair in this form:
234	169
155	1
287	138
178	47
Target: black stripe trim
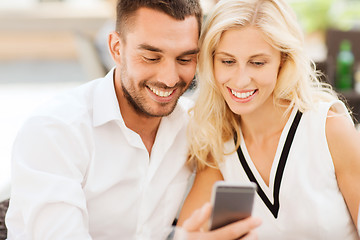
274	208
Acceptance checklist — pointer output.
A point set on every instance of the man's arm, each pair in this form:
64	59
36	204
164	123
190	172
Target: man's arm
47	200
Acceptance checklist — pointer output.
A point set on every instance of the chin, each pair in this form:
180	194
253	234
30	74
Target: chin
241	110
161	112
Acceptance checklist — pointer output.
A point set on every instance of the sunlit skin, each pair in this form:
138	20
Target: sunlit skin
158	60
246	69
155	63
247	75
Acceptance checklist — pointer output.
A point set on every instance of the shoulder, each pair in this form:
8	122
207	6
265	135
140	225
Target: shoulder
67	115
343	138
68	107
186	103
182	109
321	111
339	127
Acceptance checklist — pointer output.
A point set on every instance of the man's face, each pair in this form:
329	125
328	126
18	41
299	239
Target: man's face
158	61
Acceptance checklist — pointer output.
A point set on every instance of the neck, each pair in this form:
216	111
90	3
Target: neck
264	123
145	127
142	124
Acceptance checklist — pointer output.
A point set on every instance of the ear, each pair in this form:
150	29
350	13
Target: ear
114	44
283	59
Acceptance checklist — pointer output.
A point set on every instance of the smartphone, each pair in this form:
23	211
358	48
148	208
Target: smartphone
231	202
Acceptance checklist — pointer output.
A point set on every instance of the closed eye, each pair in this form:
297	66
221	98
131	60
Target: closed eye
150	60
228	62
184	60
258	64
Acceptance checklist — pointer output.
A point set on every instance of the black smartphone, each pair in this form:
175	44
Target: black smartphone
231	202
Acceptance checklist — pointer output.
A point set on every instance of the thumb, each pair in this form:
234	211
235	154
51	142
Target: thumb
198	218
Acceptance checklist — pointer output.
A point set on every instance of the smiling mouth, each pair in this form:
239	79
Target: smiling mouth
242	95
161	93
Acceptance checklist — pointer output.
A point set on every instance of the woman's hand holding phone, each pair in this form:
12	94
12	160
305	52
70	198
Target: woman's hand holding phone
228	216
242	229
231	202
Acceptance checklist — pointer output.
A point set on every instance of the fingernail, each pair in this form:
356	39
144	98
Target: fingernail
257	222
205	207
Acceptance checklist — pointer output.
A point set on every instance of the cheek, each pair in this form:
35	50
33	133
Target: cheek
220	75
268	78
187	72
138	71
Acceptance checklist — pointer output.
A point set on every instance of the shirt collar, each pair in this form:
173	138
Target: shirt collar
105	105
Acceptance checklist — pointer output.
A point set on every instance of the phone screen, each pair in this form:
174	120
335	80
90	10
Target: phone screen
231	202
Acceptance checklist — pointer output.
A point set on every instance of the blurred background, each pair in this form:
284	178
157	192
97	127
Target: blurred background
49	46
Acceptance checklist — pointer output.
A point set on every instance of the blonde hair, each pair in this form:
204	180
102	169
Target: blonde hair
212	122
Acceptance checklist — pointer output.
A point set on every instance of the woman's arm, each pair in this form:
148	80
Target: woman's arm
197	210
200	192
344	144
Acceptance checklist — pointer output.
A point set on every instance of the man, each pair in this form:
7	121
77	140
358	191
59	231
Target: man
106	161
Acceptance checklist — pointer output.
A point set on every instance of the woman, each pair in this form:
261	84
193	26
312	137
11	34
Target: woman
263	116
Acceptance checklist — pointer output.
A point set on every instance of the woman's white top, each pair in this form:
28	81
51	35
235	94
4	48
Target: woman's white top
304	202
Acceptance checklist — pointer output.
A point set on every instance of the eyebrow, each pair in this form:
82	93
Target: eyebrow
149	48
253	56
190	52
155	49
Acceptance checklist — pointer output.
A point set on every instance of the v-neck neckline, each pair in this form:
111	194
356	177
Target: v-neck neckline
268	189
270	194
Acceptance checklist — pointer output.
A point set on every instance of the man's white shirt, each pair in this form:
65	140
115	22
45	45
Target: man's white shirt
79	173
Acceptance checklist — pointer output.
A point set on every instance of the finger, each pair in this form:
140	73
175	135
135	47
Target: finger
237	229
198	218
250	236
215	236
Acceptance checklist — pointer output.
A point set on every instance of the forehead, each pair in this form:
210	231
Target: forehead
158	29
247	40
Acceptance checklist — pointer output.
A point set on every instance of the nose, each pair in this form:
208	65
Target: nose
168	73
243	77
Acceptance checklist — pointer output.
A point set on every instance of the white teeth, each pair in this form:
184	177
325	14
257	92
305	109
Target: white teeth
242	95
161	93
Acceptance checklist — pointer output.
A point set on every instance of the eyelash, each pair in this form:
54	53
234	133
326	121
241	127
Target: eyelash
231	62
154	60
184	61
228	62
151	60
258	64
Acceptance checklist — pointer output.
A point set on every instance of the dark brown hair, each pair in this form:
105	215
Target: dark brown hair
178	9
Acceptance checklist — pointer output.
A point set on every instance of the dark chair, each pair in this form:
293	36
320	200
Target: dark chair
333	40
3	208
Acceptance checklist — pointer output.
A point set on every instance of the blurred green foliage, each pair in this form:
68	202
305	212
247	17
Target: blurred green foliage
313	14
319	15
345	15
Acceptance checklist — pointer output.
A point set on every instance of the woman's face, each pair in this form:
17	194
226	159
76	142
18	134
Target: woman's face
246	69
